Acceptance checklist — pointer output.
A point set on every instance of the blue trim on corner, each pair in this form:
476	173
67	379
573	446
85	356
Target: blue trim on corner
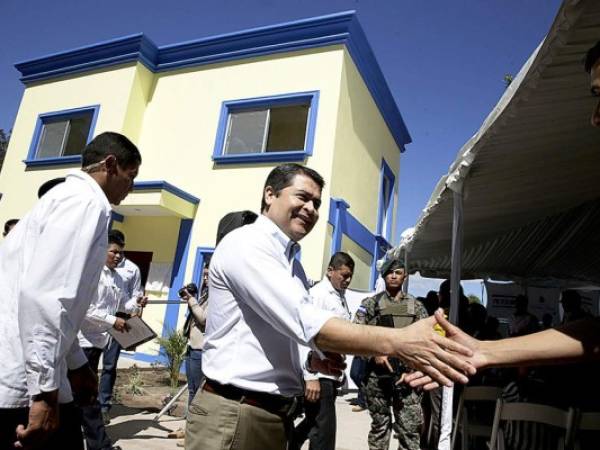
381	246
333	29
164	185
230	106
178	274
345	223
386	174
201	253
32	161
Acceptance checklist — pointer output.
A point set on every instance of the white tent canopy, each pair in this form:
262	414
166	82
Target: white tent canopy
530	177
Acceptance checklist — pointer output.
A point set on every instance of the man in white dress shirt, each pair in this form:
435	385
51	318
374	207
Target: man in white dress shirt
93	336
50	265
132	281
320	391
261	310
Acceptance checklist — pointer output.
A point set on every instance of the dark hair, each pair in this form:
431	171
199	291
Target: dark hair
110	143
9	224
340	259
281	177
117	236
592	55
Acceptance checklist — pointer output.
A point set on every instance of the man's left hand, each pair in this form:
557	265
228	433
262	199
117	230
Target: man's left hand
142	301
333	364
84	384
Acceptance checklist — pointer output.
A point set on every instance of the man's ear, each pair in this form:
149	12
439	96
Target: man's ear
269	195
110	163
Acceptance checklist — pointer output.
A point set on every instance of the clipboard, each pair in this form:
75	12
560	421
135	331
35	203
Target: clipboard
139	333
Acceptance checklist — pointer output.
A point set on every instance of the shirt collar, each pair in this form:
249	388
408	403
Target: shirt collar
291	248
330	287
79	174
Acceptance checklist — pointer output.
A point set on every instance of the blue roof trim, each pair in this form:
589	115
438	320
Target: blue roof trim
340	28
136	47
163	185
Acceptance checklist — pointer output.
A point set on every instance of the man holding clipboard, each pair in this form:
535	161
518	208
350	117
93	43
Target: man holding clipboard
99	320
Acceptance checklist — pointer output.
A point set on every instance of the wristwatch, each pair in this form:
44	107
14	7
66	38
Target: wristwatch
307	363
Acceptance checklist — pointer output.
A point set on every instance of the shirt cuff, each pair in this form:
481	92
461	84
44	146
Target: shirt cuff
313	319
76	357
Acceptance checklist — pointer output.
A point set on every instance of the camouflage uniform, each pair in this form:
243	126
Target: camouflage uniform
380	390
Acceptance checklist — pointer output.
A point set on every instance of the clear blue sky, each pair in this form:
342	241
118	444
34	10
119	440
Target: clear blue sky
444	60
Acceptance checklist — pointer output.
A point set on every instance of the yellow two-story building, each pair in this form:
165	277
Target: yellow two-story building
211	118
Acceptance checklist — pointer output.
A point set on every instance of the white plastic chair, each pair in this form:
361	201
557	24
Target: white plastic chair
531	412
469	429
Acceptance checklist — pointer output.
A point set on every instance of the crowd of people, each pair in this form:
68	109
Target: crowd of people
267	339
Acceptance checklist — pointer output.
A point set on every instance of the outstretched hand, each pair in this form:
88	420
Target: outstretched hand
442	359
424	379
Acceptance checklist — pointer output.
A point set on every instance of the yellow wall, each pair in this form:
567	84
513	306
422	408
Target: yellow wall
362	264
361	140
110	89
180	123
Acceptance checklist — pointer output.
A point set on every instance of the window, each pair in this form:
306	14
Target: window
60	137
386	206
267	129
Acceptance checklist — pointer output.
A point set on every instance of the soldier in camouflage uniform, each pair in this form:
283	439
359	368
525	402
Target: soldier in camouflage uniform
391	308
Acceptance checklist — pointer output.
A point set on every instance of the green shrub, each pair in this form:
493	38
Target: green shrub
173	347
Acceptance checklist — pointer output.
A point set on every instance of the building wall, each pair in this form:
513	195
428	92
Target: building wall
361	140
110	89
179	129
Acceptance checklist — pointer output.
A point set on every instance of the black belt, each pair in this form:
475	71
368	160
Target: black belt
286	407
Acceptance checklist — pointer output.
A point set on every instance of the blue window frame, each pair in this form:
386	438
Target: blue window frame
60	136
267	129
202	254
385	207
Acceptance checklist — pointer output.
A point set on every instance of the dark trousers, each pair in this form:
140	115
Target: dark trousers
68	436
193	372
319	424
93	425
108	377
358	370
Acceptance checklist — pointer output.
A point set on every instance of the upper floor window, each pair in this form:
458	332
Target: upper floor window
386	205
61	136
279	128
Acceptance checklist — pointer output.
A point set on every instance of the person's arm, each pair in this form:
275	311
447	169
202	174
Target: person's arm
576	341
263	283
72	238
136	282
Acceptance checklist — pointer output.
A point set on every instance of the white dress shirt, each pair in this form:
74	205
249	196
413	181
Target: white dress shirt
259	311
50	264
132	280
326	297
100	316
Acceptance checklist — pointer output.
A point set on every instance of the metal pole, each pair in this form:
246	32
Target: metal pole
457	243
405	285
169	405
455	275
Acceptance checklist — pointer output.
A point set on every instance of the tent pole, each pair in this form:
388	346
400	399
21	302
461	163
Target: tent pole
457	243
405	285
455	275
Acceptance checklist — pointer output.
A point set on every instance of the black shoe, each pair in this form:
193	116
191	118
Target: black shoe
106	418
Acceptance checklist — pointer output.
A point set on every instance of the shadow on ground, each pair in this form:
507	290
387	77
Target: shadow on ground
129	429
